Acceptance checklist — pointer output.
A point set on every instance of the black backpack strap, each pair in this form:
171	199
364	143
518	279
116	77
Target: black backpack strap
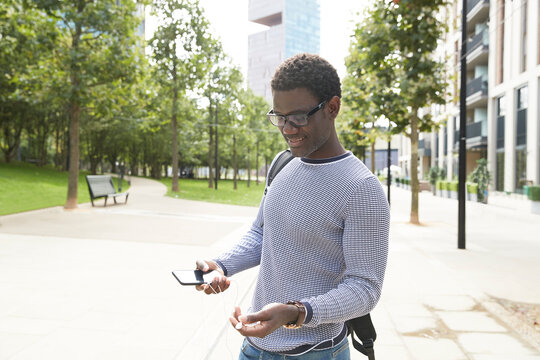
364	329
283	159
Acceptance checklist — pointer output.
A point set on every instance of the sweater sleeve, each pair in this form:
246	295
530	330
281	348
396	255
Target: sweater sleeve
247	252
365	250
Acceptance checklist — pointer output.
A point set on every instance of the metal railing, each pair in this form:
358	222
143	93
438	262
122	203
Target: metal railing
472	3
481	38
473	130
477	85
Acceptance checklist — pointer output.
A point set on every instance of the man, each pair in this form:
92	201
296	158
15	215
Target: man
321	234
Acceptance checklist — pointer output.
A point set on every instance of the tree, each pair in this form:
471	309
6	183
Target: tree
97	46
27	38
394	55
180	48
257	128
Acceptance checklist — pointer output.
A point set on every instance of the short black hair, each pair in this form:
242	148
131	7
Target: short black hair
309	71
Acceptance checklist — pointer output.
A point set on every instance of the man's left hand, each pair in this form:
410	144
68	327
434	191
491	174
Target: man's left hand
266	321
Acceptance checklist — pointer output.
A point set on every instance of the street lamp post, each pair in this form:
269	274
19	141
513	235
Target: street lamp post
462	129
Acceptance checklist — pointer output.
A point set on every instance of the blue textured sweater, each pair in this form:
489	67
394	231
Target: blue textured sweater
324	242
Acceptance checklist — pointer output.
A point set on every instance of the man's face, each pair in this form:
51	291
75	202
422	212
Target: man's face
309	141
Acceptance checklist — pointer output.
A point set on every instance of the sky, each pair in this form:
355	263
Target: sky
228	21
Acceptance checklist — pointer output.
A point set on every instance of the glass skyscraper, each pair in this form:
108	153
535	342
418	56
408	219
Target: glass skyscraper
293	27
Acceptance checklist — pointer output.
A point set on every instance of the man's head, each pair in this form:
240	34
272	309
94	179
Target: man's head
306	93
308	71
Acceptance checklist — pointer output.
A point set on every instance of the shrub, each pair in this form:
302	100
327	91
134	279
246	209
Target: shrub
434	175
472	188
439	184
480	176
534	193
452	185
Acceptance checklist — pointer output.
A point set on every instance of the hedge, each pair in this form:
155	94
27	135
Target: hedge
472	188
534	193
452	185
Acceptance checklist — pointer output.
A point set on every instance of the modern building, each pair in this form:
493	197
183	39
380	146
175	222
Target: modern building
503	81
293	27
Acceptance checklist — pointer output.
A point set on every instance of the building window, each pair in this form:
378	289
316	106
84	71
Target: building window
524	16
501	112
499	175
500	42
522	104
521	138
499	165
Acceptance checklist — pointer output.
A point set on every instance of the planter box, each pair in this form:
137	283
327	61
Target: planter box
535	207
472	197
440	192
453	194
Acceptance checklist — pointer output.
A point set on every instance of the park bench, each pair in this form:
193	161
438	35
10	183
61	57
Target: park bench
101	186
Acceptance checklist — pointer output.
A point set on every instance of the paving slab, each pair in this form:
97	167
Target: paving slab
96	283
470	321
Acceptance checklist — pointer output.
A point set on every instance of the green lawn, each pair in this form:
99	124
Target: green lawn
193	189
26	187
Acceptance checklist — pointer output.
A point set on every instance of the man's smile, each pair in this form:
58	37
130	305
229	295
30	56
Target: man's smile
295	140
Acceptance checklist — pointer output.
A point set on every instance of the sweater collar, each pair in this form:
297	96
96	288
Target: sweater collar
327	160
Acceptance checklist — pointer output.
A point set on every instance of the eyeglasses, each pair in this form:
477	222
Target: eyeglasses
296	120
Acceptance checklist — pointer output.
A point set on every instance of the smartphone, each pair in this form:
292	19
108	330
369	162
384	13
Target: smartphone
194	277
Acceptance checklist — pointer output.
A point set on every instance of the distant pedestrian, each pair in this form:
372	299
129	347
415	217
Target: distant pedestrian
321	234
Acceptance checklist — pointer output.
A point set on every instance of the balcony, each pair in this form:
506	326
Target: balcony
477	11
477	90
478	49
476	136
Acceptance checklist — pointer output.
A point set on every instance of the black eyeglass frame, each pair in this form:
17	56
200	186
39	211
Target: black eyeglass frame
287	118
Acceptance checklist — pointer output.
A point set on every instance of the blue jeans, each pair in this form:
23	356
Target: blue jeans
338	352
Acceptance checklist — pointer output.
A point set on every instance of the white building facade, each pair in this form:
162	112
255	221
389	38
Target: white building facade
293	27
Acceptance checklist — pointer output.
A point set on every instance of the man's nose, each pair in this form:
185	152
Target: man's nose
289	129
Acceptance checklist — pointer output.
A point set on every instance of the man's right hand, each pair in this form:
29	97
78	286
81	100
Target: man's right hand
219	284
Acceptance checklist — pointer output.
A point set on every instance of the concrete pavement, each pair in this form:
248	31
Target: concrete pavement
95	283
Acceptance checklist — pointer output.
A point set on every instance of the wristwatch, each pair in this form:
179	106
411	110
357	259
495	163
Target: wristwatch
301	315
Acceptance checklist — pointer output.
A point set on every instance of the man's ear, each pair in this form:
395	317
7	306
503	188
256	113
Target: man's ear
334	104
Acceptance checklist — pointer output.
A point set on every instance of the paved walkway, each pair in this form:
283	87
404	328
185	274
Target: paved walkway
95	283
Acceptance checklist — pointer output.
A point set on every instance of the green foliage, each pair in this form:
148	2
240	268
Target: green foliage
393	71
472	188
28	187
434	174
440	185
534	193
481	176
452	185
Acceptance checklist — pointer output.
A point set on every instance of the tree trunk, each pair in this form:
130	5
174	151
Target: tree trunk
73	177
235	165
257	164
265	165
248	168
373	157
174	126
12	139
210	148
74	112
414	167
